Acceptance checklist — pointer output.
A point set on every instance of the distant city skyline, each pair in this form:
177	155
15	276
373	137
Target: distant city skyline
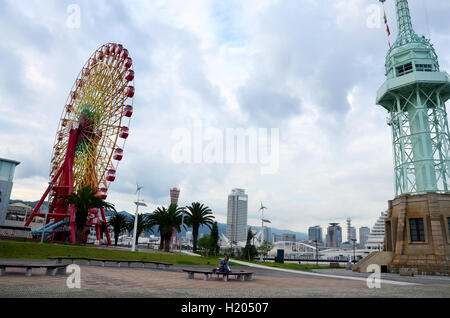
257	222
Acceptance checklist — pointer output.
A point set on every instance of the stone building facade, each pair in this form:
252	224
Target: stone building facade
417	232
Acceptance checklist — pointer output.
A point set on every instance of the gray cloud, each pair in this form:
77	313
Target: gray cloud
266	106
286	64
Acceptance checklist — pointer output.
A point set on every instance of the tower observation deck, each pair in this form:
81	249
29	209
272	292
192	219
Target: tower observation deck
414	94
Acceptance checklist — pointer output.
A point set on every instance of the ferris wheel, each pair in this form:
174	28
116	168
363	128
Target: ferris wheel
91	133
101	104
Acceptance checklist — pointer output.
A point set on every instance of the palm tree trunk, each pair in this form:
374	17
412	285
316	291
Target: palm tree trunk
194	236
79	234
167	243
161	241
116	238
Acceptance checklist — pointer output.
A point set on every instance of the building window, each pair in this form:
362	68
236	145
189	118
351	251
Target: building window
424	68
404	69
416	230
448	226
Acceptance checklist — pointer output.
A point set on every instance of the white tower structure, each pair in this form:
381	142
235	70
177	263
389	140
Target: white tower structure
376	236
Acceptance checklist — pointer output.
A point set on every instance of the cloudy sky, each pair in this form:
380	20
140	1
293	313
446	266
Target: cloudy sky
309	68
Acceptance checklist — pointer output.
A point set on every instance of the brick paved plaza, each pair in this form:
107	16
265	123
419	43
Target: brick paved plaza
97	281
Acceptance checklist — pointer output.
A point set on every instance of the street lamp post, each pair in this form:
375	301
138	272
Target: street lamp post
262	228
51	184
181	232
354	251
138	203
317	254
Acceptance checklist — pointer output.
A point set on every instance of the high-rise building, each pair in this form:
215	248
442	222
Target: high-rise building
334	235
267	234
315	233
276	238
7	168
237	215
351	231
287	237
363	236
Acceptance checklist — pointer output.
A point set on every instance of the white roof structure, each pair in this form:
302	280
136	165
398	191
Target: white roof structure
225	242
376	236
21	205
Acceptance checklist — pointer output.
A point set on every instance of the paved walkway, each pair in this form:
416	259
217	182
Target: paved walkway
309	273
110	281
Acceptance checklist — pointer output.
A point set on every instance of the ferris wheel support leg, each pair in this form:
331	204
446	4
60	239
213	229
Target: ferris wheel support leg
69	157
44	196
108	237
73	225
97	231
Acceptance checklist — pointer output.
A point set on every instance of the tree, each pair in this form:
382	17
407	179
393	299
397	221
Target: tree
142	225
84	200
204	243
264	248
119	223
214	241
197	215
167	220
249	250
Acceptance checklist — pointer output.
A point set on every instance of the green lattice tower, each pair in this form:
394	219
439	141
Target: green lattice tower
414	94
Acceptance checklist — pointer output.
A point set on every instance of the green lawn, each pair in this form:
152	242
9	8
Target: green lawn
27	250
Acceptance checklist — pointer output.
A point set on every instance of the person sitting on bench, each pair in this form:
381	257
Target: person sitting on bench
224	265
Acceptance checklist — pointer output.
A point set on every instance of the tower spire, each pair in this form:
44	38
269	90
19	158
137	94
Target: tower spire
406	32
405	27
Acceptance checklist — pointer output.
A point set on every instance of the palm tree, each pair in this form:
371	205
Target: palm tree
167	220
119	223
197	215
84	200
142	225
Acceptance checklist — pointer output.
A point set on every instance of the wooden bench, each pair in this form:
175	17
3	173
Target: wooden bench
240	275
335	265
51	269
59	259
411	274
